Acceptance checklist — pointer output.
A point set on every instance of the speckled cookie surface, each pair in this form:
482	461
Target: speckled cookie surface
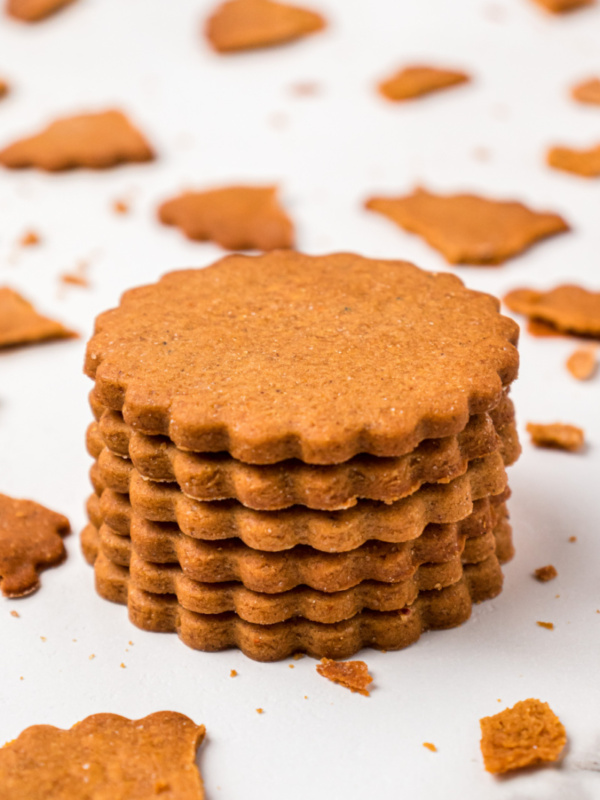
292	356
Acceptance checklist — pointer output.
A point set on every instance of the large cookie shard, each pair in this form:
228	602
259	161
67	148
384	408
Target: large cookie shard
468	229
105	757
34	10
292	356
525	735
412	82
20	323
249	24
581	162
30	539
587	91
567	308
563	6
236	217
95	141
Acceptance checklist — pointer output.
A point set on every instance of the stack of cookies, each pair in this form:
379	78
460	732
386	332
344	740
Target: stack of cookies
301	454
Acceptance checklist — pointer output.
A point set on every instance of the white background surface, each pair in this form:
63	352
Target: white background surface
217	119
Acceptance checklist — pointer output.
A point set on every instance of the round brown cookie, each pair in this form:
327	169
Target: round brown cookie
292	356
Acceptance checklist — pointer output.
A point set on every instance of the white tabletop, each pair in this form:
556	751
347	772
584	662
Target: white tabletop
215	120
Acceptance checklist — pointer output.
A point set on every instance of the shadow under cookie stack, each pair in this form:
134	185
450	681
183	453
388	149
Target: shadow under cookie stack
301	454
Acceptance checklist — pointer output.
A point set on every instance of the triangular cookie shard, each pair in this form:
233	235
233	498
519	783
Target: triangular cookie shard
105	756
236	217
249	24
20	323
30	539
95	141
417	81
34	10
468	229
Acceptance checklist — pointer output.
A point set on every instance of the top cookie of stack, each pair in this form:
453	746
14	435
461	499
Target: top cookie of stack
299	404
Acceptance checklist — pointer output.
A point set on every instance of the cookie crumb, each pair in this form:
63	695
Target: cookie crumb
582	363
549	626
304	89
131	643
525	735
291	666
120	207
122	665
298	656
233	673
572	538
545	574
78	277
29	239
14	613
587	92
557	435
430	746
92	657
43	638
354	675
260	711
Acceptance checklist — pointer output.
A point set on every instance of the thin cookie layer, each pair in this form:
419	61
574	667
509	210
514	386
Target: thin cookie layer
105	756
567	308
236	217
581	162
303	601
411	82
20	323
209	477
31	539
271	573
394	630
334	531
250	24
94	141
468	229
291	356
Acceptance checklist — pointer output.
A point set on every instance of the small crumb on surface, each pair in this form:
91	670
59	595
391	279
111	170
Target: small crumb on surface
556	435
291	666
545	574
120	207
572	538
430	746
92	657
298	656
122	665
260	711
78	277
29	239
304	89
233	673
582	363
43	638
549	626
14	613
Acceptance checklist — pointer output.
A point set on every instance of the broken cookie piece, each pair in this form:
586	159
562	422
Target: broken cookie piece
354	675
556	436
567	308
4	88
20	323
249	24
525	735
563	6
236	217
545	574
582	363
94	141
468	229
105	755
34	10
30	540
587	91
580	162
417	81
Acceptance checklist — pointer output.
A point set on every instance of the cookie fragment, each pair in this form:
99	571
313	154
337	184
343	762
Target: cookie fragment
30	540
4	88
416	81
545	574
105	755
34	10
354	675
563	6
556	436
236	217
468	229
527	734
582	363
567	308
581	162
94	141
30	239
587	91
249	24
20	323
